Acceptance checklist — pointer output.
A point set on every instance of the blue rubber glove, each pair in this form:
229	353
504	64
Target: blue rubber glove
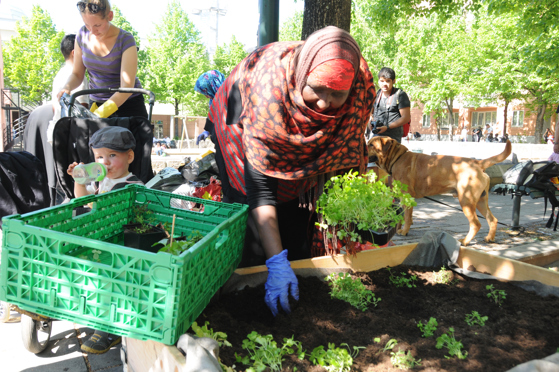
281	279
205	134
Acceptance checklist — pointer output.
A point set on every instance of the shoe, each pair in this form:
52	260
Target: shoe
100	342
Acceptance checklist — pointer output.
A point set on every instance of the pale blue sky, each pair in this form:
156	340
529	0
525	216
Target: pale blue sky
240	20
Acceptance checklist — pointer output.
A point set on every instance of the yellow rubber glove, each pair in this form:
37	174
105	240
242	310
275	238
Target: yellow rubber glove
106	109
93	107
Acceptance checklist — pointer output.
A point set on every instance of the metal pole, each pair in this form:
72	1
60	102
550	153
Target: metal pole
268	29
516	210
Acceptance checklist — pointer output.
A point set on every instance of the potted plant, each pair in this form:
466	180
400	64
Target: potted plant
141	233
357	208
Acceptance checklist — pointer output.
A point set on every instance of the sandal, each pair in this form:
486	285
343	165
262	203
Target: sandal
100	342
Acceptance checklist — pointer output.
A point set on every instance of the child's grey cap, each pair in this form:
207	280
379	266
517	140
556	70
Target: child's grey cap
114	138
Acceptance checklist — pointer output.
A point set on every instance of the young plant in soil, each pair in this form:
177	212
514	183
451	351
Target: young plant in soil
454	346
496	295
475	319
352	202
335	359
265	353
205	331
144	217
402	360
345	288
389	345
402	280
429	328
443	276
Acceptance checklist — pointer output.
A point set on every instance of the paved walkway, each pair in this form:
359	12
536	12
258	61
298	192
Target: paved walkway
64	354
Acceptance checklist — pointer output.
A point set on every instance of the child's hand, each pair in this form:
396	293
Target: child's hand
71	167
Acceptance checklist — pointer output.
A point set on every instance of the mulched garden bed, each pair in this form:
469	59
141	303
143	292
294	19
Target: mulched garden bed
525	327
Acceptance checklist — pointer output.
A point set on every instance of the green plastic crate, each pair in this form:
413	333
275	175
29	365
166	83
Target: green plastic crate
70	267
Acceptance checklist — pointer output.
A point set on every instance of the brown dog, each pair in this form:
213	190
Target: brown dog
428	175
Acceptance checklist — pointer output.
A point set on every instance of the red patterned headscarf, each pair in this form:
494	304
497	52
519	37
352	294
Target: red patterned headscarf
335	74
277	132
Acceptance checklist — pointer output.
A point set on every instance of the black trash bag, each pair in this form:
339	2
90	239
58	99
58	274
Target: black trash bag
541	180
517	174
78	111
201	170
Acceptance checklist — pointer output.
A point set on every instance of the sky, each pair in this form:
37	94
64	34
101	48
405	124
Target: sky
240	19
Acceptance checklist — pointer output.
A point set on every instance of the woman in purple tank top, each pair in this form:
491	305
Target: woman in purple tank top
110	57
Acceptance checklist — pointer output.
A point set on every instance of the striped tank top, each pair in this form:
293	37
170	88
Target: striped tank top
104	72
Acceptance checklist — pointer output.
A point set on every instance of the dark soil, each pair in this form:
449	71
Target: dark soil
524	328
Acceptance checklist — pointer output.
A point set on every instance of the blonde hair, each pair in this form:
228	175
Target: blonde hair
103	4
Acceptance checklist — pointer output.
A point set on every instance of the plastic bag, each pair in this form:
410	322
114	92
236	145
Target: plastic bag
202	169
78	111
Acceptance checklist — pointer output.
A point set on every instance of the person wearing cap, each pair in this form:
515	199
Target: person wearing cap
288	117
114	148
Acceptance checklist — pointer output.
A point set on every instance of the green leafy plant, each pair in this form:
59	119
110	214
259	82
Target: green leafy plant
335	359
402	360
497	295
179	246
353	202
344	287
264	352
402	280
429	328
443	276
205	331
389	345
475	319
143	216
454	346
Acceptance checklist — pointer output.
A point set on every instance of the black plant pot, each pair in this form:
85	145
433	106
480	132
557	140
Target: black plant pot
376	237
143	241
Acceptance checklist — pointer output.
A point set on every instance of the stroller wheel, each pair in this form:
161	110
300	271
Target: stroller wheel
35	333
4	312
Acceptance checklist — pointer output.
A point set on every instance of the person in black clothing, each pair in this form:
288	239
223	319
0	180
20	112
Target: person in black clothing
392	107
477	134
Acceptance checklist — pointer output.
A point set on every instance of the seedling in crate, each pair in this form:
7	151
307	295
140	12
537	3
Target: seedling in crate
345	288
497	295
429	328
475	319
402	360
335	358
402	280
176	247
454	346
264	352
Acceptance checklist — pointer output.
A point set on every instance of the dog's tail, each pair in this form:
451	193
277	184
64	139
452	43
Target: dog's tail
484	164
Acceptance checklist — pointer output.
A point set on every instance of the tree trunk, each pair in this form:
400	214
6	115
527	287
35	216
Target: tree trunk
449	107
538	135
505	117
437	123
176	123
321	13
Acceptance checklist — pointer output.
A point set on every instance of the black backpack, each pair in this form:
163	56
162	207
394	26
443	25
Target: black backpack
540	180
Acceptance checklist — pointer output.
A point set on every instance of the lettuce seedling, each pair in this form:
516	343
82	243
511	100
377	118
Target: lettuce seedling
345	288
475	319
404	361
454	346
497	295
335	359
402	280
265	353
205	331
429	328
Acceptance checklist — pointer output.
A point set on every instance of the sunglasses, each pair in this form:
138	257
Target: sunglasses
93	8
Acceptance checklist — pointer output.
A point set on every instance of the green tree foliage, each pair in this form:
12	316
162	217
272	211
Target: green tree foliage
228	56
176	58
32	57
121	22
292	28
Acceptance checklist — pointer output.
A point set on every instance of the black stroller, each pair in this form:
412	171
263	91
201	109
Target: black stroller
70	144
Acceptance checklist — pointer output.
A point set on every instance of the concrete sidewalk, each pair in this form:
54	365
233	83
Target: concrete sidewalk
64	354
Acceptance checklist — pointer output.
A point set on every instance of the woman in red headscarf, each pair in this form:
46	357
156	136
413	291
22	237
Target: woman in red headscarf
290	115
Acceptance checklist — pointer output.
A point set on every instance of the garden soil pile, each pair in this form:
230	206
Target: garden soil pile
525	327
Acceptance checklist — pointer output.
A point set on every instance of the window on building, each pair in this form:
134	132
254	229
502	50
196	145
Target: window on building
479	119
158	129
518	118
444	120
426	121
